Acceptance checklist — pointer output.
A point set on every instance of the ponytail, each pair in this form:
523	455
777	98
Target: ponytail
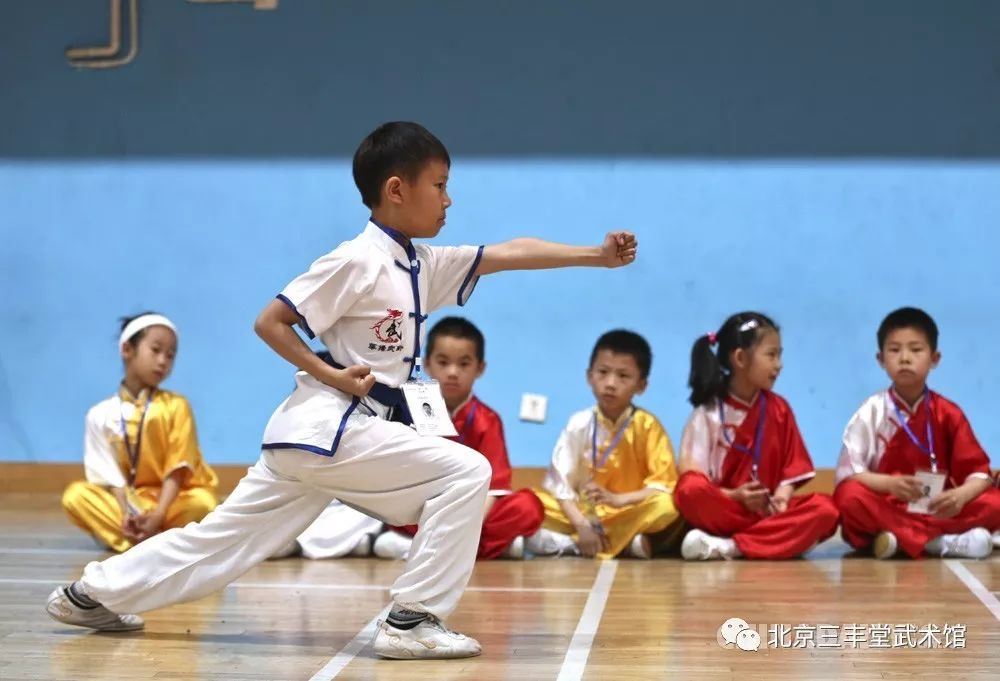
707	378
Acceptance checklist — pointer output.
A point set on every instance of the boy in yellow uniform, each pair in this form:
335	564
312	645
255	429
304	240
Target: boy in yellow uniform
610	482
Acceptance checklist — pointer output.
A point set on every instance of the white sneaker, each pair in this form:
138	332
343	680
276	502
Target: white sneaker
429	639
639	548
885	545
699	545
392	545
62	609
363	548
515	551
549	543
287	551
975	543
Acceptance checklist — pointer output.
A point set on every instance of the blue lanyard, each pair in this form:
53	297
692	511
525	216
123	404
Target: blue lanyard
413	267
469	418
133	454
758	436
611	446
929	449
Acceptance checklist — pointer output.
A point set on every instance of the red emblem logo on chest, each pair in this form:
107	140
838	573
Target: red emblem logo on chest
387	329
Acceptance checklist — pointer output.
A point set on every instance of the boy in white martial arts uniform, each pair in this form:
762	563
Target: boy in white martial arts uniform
332	438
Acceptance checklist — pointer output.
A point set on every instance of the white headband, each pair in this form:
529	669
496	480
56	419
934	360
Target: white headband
144	322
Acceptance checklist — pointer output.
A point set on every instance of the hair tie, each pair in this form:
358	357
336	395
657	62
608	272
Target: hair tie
712	338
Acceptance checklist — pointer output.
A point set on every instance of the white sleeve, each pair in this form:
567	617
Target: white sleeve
100	461
697	442
857	449
325	293
562	479
451	274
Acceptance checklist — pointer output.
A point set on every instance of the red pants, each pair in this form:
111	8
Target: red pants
810	519
513	515
865	513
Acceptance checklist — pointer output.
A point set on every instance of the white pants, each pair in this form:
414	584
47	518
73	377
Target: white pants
336	532
384	468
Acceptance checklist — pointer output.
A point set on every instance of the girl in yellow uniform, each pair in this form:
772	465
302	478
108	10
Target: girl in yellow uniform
144	469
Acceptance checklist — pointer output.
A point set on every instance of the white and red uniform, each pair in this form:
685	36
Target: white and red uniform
875	441
513	514
720	441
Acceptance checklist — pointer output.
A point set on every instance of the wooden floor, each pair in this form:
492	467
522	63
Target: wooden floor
537	619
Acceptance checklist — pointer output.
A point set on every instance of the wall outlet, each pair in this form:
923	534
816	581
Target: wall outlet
533	407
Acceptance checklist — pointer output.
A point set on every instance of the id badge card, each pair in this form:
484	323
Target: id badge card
132	501
931	484
427	409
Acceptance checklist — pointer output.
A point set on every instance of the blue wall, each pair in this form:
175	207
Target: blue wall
762	161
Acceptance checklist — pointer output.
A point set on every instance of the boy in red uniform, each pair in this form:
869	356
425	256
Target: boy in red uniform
456	352
899	443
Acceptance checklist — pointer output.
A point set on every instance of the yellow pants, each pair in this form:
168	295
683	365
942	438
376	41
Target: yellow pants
95	510
652	515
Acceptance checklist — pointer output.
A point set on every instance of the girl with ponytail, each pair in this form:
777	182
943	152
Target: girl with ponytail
742	456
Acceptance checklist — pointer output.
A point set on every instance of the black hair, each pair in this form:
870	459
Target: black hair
710	369
136	337
397	148
908	318
457	327
625	342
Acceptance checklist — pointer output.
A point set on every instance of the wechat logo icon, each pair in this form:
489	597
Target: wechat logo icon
736	633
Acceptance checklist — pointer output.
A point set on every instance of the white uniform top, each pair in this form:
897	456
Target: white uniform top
702	441
367	301
569	470
866	436
100	458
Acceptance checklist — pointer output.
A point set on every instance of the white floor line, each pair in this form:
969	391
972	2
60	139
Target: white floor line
329	587
337	663
39	535
34	551
975	586
583	638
